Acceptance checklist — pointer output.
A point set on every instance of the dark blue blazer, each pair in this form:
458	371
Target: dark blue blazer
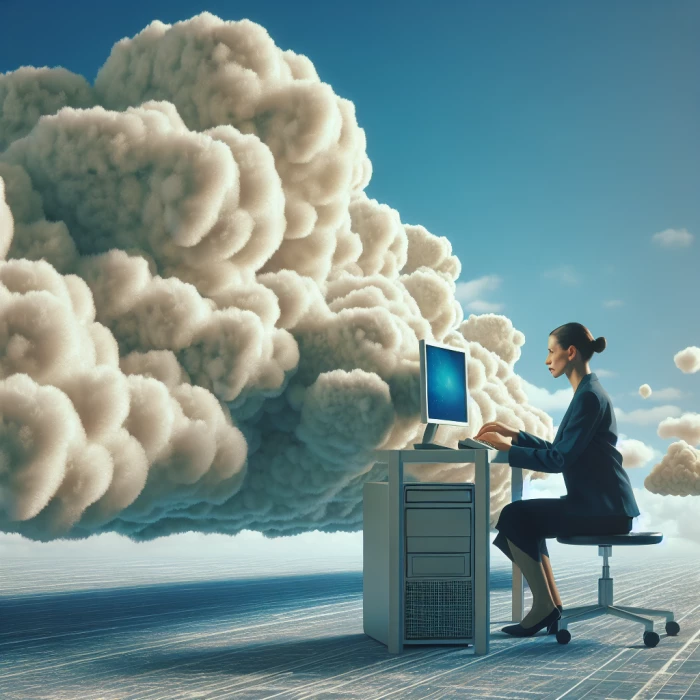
584	452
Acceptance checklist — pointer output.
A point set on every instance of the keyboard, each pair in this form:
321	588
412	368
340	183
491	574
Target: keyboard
471	444
431	446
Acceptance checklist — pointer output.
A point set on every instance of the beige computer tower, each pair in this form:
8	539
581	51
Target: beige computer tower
437	562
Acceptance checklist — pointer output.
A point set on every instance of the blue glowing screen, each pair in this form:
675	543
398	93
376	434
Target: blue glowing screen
447	384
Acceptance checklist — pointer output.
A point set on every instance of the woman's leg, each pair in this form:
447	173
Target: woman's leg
529	522
533	571
549	574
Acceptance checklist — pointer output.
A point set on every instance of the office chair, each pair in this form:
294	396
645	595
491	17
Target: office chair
605	589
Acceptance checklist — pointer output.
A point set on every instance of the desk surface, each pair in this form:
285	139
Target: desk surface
457	456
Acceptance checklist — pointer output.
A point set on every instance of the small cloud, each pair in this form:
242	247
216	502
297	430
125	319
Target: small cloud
552	486
687	428
688	360
484	307
613	303
469	294
647	416
541	398
635	453
673	238
564	274
669	394
605	373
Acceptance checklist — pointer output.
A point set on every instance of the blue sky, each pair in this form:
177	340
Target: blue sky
548	141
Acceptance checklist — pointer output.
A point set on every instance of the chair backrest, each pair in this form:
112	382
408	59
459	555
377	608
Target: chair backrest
631	538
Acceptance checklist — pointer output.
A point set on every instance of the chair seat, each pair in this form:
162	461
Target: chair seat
609	540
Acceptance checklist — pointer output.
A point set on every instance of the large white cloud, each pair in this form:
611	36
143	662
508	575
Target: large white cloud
647	416
27	93
206	324
673	515
687	428
678	473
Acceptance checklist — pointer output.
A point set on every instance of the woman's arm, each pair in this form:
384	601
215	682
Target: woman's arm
528	440
577	433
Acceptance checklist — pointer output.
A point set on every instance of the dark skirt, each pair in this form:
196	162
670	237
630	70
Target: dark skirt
527	524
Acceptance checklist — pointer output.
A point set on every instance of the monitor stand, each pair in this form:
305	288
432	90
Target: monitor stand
428	437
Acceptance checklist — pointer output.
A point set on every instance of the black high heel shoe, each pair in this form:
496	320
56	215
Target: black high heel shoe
520	631
554	627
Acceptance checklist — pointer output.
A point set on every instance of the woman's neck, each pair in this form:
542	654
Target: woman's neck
576	374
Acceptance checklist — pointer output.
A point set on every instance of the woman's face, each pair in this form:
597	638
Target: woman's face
557	358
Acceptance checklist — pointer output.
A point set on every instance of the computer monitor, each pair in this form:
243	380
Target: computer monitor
443	387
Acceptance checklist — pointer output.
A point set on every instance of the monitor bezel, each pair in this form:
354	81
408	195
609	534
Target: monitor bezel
425	418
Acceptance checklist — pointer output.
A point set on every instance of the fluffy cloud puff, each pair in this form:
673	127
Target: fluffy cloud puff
206	324
688	360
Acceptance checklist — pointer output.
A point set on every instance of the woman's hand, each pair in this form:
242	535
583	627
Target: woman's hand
499	428
502	444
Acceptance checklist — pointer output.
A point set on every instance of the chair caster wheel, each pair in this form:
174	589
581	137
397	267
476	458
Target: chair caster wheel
672	628
651	639
563	636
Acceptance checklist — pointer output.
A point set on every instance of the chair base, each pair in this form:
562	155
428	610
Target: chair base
605	603
589	612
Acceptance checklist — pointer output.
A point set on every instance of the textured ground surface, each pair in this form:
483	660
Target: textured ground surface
205	629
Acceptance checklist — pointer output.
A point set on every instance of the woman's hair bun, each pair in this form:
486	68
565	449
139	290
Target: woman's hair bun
599	344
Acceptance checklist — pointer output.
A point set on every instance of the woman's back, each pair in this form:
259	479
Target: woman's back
584	452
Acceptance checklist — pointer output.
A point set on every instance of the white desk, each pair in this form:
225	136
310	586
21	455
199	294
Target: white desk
395	459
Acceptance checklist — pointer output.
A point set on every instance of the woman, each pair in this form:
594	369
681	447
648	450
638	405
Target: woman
599	496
